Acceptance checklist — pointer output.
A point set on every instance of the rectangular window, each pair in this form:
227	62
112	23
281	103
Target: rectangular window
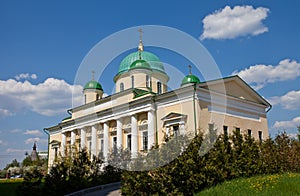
101	148
132	81
260	135
225	130
176	130
55	154
145	140
129	142
147	81
114	142
238	130
101	145
121	87
249	132
159	88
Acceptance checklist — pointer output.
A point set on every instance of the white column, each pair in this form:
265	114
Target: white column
181	129
94	141
82	138
168	131
106	140
119	133
151	132
134	136
53	155
63	144
73	138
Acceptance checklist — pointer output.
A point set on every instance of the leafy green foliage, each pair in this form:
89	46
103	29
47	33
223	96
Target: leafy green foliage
14	163
32	183
227	158
69	174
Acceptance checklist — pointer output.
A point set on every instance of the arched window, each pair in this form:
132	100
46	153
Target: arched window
147	81
132	81
159	87
121	86
97	96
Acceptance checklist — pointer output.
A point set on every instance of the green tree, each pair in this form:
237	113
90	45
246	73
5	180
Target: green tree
14	163
32	184
298	128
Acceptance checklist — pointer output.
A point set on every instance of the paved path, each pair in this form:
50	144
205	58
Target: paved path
112	189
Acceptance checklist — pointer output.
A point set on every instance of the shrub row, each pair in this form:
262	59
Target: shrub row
207	161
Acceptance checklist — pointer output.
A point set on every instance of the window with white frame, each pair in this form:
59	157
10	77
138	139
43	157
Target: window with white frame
129	141
145	140
148	81
249	132
132	81
175	130
121	86
260	135
159	90
114	142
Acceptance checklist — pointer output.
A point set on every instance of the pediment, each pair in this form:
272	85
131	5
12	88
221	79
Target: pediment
55	142
173	115
236	87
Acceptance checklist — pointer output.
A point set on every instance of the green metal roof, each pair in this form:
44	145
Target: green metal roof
190	79
149	57
93	85
140	64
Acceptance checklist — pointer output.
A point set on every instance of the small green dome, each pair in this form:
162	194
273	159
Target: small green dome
138	64
93	85
149	57
190	79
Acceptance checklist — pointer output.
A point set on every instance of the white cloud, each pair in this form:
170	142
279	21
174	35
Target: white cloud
12	150
25	76
15	131
33	132
3	143
231	23
288	124
36	139
260	75
288	101
293	135
5	112
49	98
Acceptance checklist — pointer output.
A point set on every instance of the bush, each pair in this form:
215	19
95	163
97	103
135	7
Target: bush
68	175
231	157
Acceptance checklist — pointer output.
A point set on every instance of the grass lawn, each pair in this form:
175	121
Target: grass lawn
8	187
277	184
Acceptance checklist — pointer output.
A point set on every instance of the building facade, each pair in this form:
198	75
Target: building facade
142	111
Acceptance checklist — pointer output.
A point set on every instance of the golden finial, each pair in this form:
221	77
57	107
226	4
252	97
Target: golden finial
190	69
93	75
141	46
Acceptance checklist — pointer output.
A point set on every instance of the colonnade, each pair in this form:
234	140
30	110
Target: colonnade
105	130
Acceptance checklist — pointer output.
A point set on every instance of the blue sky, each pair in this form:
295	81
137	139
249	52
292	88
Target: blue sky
44	43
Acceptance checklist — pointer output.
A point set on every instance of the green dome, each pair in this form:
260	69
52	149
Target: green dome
150	58
190	79
93	85
140	64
